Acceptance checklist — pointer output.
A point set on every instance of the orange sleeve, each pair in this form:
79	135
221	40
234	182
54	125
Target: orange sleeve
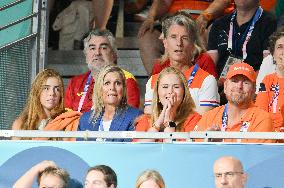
262	98
202	125
143	123
263	123
191	122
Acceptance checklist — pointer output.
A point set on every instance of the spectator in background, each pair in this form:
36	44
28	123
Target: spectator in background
270	94
150	179
173	107
150	45
101	176
198	54
239	114
229	172
47	175
45	102
100	50
178	43
110	111
241	36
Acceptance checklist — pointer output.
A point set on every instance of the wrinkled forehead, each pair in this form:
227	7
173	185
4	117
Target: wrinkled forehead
98	41
178	29
227	165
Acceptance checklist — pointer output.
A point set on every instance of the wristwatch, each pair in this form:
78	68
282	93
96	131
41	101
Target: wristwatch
171	124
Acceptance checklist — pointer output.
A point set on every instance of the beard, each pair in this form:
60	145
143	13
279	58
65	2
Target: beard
95	66
240	98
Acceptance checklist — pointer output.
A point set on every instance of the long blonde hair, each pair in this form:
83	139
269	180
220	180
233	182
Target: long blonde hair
98	103
150	175
33	111
185	108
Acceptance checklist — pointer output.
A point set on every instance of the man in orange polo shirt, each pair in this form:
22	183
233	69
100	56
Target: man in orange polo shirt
239	114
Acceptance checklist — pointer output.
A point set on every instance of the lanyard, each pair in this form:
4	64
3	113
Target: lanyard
193	73
244	126
256	17
86	87
274	100
225	118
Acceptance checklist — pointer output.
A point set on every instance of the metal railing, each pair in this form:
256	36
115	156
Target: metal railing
186	136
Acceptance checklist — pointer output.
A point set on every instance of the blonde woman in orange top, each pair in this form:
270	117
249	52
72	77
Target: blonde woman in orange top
173	107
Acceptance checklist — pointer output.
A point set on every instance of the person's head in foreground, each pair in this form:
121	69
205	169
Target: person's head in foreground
53	177
229	173
101	176
150	179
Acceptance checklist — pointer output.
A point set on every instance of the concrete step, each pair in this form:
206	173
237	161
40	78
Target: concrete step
70	63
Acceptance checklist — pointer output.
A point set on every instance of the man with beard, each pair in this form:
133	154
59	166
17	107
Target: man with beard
100	50
229	173
239	114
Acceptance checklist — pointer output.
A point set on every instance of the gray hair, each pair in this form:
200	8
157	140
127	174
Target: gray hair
183	19
105	33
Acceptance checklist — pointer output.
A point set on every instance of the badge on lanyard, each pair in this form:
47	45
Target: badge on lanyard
245	126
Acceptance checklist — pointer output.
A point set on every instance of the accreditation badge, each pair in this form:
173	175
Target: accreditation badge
230	61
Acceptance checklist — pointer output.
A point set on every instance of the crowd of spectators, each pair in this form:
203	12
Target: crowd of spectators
183	92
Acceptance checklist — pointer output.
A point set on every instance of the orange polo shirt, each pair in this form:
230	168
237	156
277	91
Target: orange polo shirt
274	107
143	123
196	6
255	118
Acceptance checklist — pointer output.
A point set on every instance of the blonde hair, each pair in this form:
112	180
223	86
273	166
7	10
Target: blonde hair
98	104
185	108
150	175
183	19
34	111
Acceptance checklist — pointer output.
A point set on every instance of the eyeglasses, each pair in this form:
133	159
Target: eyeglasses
228	175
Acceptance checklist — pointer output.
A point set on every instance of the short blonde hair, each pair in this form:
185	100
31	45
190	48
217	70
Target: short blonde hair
187	105
150	175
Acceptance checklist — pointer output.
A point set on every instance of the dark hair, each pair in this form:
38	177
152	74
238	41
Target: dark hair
109	174
274	37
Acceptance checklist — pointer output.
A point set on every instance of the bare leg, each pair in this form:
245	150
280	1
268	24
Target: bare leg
151	48
102	10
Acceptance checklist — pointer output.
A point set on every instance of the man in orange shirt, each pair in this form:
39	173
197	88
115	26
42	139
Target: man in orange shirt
239	114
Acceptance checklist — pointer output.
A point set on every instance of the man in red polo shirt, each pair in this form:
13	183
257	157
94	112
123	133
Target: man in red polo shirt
100	50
